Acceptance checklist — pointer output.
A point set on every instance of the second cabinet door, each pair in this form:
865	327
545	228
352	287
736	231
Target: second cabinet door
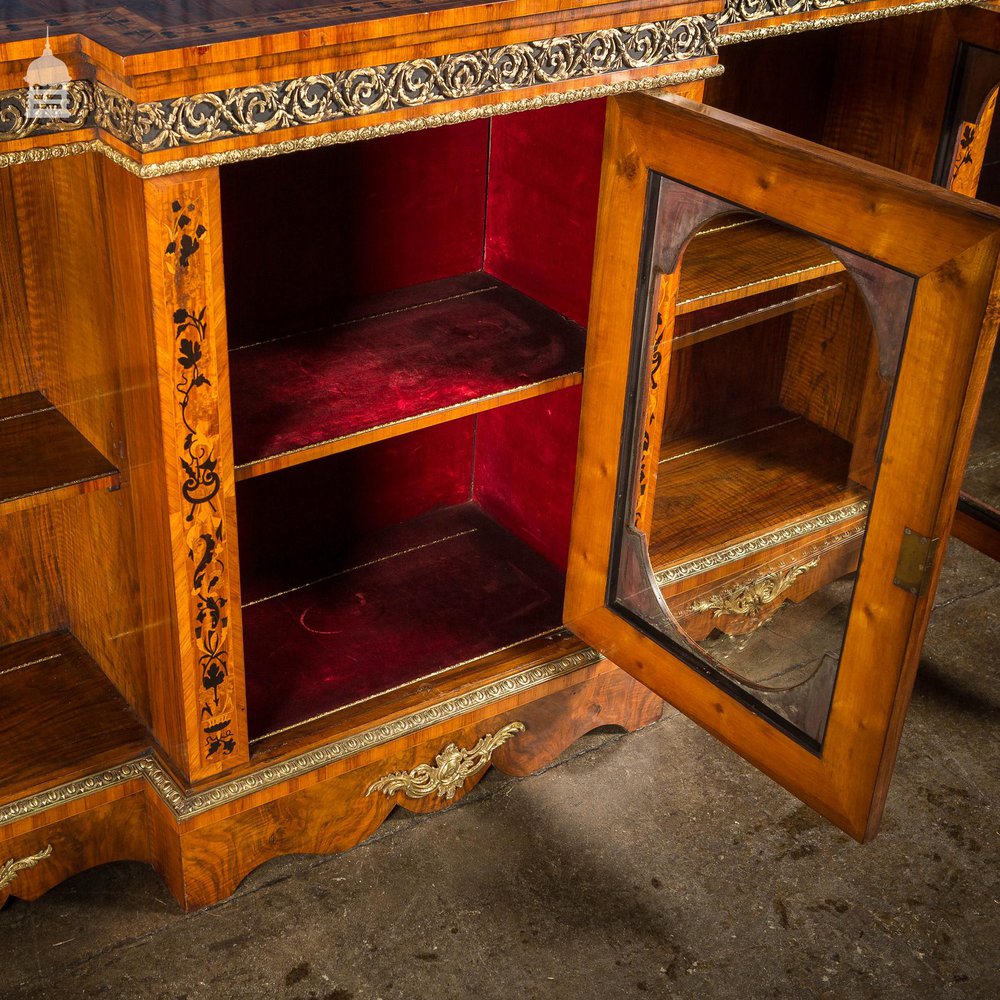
786	354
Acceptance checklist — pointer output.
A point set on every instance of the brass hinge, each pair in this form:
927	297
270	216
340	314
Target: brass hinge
915	563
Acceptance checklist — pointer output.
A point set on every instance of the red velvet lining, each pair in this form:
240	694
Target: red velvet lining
541	220
295	524
457	588
307	235
342	234
484	339
525	469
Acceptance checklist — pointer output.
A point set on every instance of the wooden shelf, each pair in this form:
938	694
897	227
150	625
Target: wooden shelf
772	469
422	357
728	317
733	262
43	457
442	590
62	718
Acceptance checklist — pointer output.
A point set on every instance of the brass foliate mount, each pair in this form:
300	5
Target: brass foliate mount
452	767
748	600
9	870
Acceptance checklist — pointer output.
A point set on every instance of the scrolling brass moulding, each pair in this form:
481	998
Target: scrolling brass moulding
322	98
9	870
748	600
184	805
452	767
186	121
745	12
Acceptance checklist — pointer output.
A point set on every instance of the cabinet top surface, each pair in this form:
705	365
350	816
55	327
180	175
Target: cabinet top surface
163	87
131	27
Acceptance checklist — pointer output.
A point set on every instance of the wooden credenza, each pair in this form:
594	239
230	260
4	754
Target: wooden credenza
310	322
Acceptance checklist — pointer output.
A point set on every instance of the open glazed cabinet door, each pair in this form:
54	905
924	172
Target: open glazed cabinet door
774	429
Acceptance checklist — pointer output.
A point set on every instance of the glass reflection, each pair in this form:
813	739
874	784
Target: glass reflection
761	387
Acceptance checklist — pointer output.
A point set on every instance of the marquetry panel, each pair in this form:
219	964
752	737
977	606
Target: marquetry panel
185	261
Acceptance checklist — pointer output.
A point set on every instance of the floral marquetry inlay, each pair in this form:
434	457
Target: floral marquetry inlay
199	481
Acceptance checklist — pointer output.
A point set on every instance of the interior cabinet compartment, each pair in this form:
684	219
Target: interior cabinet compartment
62	718
69	604
736	259
765	423
383	286
740	272
384	565
405	362
65	659
428	354
45	458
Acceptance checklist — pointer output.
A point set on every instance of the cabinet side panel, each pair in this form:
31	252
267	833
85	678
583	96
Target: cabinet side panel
756	82
94	535
725	378
541	221
31	599
890	92
16	374
526	466
828	353
310	237
65	243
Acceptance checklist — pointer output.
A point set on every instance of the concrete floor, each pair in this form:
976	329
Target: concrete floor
655	864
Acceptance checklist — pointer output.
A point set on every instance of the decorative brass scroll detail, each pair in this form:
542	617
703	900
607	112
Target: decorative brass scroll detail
368	90
452	767
739	13
185	805
321	140
761	543
15	123
747	600
9	870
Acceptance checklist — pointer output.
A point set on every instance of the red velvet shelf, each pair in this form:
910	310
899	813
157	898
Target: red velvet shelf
421	356
429	594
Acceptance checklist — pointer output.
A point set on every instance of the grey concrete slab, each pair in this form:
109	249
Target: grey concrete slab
650	865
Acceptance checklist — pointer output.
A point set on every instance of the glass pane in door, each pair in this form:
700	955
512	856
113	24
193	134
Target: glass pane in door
761	379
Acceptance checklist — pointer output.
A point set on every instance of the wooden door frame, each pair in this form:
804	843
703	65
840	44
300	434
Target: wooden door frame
870	211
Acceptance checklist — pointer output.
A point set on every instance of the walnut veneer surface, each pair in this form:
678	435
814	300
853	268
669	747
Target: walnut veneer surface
135	598
144	25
